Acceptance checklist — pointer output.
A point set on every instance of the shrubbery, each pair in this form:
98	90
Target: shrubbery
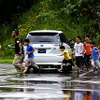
73	17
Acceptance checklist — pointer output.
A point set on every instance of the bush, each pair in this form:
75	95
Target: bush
73	17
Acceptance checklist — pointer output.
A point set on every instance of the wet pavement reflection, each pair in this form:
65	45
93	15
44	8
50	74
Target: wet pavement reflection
47	86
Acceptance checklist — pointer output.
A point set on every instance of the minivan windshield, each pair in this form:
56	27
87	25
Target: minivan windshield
43	37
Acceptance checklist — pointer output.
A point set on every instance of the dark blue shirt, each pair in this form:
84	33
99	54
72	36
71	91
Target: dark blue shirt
95	55
29	48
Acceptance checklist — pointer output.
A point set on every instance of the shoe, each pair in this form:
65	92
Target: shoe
95	72
25	74
26	70
60	70
39	70
80	71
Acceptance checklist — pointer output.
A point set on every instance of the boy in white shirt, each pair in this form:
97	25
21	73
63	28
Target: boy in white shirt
79	53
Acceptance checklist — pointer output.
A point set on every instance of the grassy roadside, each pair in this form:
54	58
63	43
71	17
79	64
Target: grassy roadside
6	60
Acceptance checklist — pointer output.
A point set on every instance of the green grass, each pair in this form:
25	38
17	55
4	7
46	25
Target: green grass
6	60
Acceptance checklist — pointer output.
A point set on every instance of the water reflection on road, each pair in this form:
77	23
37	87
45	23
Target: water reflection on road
46	86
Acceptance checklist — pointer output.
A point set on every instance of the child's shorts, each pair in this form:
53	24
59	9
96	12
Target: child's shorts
31	62
68	61
95	63
80	61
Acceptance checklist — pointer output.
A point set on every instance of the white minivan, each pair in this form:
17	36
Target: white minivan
47	43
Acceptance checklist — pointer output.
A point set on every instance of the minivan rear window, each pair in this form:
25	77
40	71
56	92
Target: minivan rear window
43	37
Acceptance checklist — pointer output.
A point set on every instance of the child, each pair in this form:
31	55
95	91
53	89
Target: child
79	53
99	52
72	48
87	49
67	58
30	52
95	57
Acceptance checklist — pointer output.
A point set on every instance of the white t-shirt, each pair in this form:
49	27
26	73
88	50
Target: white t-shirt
78	96
78	49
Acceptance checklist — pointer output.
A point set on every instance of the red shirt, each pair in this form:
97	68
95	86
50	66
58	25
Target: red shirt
87	47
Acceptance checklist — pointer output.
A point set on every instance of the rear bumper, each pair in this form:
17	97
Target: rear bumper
48	60
52	60
49	64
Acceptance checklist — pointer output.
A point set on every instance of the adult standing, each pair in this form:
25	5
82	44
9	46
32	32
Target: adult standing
18	51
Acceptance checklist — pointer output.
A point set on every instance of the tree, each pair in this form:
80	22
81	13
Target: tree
13	9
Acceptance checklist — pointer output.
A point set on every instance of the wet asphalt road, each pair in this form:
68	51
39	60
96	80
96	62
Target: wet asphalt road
47	86
43	86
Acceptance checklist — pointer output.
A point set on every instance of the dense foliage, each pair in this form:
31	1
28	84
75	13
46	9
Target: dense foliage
12	9
74	17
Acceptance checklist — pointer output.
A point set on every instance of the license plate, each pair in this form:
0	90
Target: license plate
41	50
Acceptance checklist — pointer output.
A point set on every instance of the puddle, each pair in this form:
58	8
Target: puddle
47	86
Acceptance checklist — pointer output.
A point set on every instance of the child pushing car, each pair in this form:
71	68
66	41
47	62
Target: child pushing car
67	58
